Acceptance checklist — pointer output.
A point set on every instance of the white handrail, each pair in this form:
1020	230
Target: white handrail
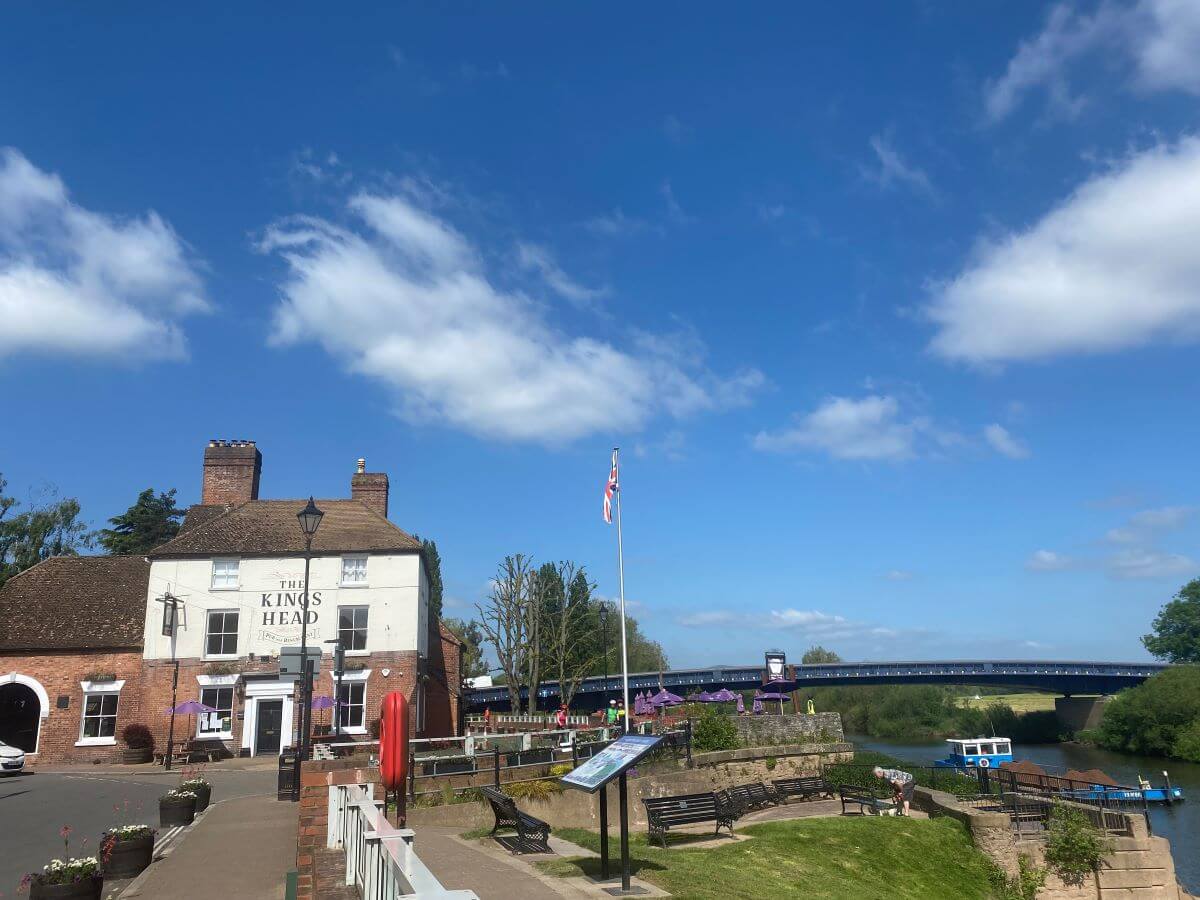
381	860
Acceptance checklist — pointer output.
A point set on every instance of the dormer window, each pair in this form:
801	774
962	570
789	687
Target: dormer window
225	575
354	571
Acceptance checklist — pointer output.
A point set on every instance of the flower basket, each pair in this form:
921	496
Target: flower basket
203	791
176	808
127	856
84	889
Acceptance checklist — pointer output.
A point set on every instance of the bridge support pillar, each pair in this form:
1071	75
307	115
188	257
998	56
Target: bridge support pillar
1078	713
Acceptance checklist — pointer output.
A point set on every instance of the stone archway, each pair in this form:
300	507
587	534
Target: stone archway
20	716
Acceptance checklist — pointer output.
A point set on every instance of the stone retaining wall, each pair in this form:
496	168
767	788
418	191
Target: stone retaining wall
768	730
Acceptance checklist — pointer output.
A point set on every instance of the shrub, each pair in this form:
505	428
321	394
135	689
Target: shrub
772	762
1022	886
714	731
558	771
533	790
137	736
1074	846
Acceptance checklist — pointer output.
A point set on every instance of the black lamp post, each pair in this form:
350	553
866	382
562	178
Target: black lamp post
310	520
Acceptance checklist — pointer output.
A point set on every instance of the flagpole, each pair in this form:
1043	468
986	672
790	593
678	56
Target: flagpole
621	584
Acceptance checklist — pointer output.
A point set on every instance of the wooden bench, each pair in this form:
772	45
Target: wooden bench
664	813
755	796
532	833
804	788
857	794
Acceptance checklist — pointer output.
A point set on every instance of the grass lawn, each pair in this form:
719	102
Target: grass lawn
835	857
1021	703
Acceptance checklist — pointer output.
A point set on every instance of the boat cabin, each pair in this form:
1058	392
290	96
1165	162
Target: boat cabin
981	752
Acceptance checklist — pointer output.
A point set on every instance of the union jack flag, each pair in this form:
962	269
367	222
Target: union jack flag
609	489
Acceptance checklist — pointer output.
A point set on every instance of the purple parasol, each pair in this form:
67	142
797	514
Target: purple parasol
741	704
323	703
773	695
665	698
757	706
724	695
191	707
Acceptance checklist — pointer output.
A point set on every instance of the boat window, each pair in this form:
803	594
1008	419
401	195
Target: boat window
970	749
987	749
1003	747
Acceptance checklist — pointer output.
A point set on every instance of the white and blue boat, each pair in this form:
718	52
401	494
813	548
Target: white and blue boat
977	753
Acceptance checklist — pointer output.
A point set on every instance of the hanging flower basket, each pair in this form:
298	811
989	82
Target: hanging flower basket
201	788
176	808
127	850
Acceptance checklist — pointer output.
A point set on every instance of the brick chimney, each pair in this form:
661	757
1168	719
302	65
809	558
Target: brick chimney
370	487
231	472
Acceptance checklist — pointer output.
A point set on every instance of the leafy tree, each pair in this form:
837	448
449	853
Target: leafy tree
1176	636
569	640
152	520
645	655
817	654
1074	846
434	562
471	634
50	529
1157	718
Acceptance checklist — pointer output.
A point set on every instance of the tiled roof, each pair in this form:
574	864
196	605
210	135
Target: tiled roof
76	602
199	515
269	527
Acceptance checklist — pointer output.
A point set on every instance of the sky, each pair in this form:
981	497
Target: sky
892	308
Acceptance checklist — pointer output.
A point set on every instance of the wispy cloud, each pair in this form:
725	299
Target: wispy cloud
1138	563
1049	561
892	170
898	575
616	224
675	212
1148	523
1003	442
539	259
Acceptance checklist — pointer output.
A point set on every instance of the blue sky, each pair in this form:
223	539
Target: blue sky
892	309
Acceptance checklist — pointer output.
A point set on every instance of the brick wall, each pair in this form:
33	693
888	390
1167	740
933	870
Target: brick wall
443	690
321	874
59	673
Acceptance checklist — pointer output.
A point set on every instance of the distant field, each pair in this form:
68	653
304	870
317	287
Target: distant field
1021	703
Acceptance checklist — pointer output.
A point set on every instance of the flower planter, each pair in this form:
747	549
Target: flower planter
129	857
203	794
84	889
132	756
174	811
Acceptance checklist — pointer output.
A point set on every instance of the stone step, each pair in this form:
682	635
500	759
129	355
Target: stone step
1135	878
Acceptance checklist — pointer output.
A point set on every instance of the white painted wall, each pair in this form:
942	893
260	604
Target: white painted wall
270	590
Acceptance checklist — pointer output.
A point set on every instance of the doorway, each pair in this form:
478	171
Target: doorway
20	712
269	728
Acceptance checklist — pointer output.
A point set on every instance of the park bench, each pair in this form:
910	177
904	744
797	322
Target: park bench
664	813
532	833
866	801
755	796
804	788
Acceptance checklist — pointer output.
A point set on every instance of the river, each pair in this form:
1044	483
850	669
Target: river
1179	823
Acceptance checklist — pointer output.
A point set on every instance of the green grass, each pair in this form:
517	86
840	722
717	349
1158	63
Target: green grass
827	858
1021	703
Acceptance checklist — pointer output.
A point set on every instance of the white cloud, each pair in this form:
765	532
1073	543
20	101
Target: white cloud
893	170
80	283
708	618
538	259
1160	39
1149	522
615	224
1003	442
898	575
1048	561
1113	266
869	429
675	212
811	624
403	298
1138	563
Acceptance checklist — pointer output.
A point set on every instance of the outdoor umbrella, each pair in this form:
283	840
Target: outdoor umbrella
757	706
639	705
705	697
724	695
741	704
665	698
190	708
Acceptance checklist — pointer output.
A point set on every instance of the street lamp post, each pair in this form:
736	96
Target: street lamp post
310	519
339	664
604	632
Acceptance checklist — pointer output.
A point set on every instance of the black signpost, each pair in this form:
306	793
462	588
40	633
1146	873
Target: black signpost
614	761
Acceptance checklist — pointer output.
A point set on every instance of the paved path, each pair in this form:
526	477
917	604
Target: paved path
460	865
240	849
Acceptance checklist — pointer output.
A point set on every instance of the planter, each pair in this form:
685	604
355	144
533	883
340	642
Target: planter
87	889
203	796
129	857
132	756
174	811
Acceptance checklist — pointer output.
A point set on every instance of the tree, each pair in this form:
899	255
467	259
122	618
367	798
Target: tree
505	621
569	640
645	655
1176	636
817	654
151	521
50	529
433	562
1159	717
471	634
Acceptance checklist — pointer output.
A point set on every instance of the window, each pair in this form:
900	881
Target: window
354	697
352	627
354	571
99	716
971	750
222	633
219	723
1003	747
225	575
987	749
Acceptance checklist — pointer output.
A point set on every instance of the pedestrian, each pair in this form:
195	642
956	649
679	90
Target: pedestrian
561	716
610	714
487	719
620	712
902	785
812	710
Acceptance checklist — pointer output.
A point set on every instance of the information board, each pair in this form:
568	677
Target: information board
610	762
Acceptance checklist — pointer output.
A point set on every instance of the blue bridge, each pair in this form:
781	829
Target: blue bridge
1066	678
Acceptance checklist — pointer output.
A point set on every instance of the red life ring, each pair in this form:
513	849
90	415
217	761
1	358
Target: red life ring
393	741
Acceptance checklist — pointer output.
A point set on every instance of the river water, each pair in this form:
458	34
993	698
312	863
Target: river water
1179	823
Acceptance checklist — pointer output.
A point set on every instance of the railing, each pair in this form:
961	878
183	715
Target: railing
381	860
1030	813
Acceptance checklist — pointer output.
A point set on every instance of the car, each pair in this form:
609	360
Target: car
12	759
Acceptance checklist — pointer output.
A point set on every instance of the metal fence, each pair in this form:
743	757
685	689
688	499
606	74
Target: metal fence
381	860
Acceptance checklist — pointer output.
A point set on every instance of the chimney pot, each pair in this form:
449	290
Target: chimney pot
371	488
362	465
231	472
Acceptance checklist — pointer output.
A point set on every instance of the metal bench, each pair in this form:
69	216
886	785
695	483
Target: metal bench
804	788
864	798
664	813
532	833
755	796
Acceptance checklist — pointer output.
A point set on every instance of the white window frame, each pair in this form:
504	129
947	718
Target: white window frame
365	650
237	575
354	557
359	676
208	614
212	683
99	689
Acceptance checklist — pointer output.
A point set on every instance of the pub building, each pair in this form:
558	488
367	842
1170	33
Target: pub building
233	580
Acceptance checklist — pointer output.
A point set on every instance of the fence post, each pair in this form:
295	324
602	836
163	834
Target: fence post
412	776
984	781
688	737
496	765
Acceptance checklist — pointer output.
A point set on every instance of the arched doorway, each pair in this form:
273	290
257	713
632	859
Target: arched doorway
20	716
